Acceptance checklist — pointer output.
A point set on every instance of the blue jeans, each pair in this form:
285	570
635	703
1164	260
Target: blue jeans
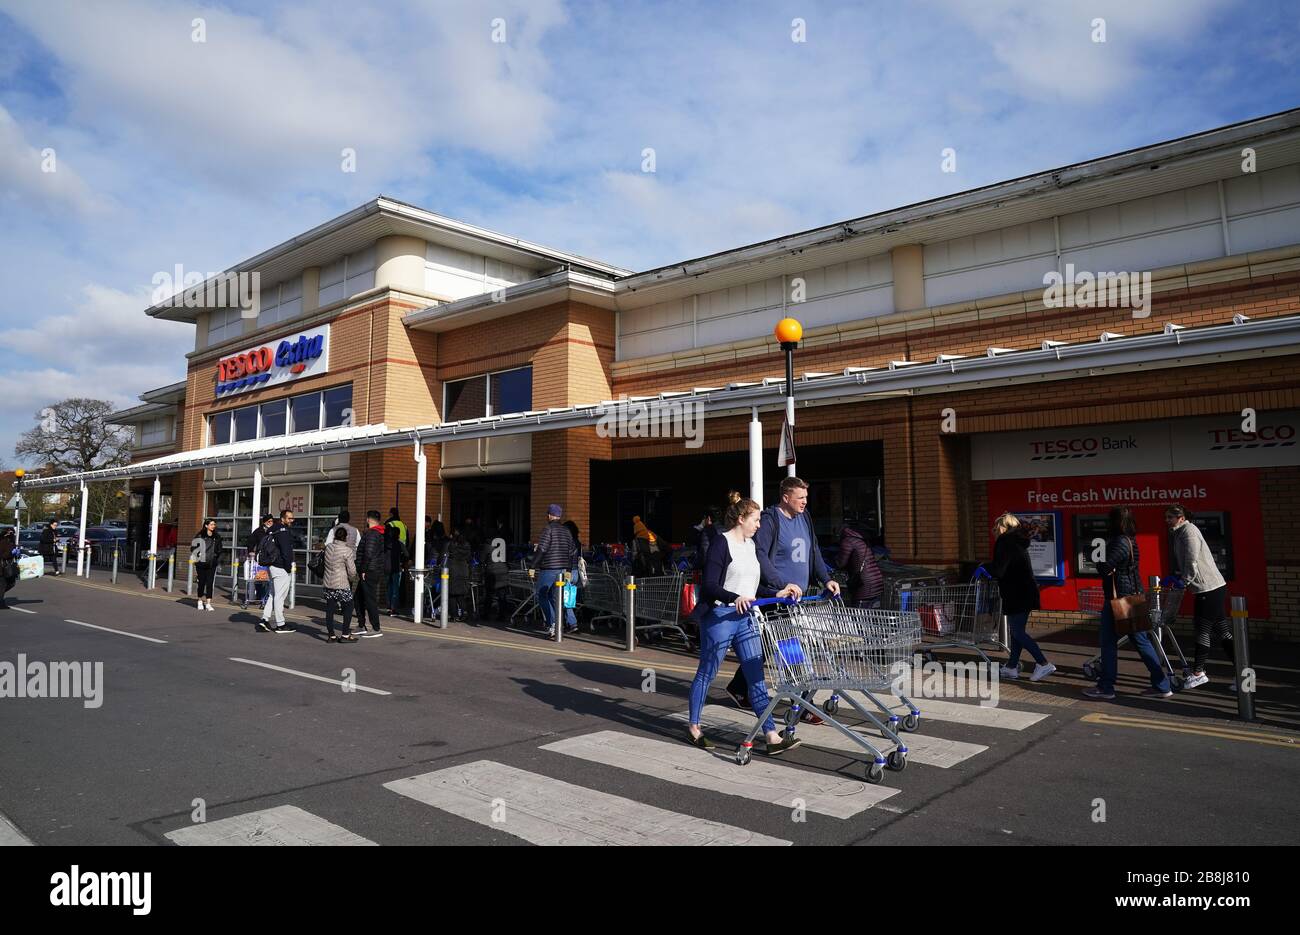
1019	639
721	629
1110	655
546	598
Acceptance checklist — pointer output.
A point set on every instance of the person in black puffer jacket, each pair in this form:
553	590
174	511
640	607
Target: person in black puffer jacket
372	566
1120	577
1015	577
858	562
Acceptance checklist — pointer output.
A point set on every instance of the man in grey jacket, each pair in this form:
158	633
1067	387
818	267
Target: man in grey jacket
1194	563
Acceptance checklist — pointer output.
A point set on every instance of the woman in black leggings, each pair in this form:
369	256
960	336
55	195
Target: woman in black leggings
206	549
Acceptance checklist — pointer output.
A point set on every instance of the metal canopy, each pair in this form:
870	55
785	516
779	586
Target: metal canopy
1243	338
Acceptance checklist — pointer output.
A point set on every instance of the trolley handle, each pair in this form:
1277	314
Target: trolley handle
769	601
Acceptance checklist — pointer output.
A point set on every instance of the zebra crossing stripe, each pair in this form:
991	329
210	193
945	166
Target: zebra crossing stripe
762	780
955	712
551	812
921	747
282	825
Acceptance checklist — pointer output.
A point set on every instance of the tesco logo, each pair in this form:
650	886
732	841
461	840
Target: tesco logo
289	359
1065	446
1266	433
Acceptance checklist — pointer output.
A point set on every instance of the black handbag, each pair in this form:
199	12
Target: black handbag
317	564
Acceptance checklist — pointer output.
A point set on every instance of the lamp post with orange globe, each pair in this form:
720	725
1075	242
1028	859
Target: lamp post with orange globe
789	332
19	474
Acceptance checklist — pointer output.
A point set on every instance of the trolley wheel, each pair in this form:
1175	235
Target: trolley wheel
1089	670
831	706
911	722
791	716
897	761
875	773
890	728
742	755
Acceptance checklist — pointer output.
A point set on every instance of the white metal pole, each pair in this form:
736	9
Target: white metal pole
153	529
81	535
789	417
755	458
421	477
257	498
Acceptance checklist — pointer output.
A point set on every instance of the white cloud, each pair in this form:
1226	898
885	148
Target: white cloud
40	175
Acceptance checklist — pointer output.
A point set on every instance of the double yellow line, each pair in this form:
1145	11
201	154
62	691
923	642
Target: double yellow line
1217	731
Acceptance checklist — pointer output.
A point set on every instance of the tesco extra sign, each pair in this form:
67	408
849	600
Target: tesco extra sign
277	362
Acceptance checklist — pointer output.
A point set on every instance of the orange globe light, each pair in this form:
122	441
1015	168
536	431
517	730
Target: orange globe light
789	331
20	473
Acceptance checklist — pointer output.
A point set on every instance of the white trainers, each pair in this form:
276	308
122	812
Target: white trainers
1042	672
210	607
1197	680
1007	672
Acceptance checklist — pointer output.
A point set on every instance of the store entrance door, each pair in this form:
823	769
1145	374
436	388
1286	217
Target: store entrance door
485	501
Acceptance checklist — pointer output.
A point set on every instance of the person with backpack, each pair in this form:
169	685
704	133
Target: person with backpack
258	577
494	559
857	562
556	554
372	567
339	574
786	545
275	553
206	548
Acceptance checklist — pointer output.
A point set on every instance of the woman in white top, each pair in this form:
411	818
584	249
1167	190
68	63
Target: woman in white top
729	585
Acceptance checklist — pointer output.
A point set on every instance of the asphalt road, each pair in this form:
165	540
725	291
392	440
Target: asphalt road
182	720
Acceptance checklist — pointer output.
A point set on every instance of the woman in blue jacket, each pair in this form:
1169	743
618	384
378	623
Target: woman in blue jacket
731	582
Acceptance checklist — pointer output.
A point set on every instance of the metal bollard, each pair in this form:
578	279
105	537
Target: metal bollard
189	577
559	608
152	574
1241	654
171	571
443	597
63	559
630	585
115	551
417	607
293	583
234	581
86	563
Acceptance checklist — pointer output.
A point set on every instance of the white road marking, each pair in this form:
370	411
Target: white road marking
282	825
307	675
551	812
762	779
935	709
921	748
22	610
10	836
148	639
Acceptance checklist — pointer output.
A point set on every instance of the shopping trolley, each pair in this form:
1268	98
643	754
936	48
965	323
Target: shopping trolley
1163	602
818	643
954	615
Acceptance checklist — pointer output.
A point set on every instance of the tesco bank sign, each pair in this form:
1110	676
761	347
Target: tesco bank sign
306	354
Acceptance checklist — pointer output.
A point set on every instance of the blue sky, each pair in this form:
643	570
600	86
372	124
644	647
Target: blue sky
204	153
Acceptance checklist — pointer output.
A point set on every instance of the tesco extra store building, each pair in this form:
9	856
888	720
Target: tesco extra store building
1221	473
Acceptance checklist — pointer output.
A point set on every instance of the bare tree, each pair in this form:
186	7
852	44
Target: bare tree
73	436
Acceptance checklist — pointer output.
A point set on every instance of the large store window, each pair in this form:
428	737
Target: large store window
224	324
304	413
233	511
491	394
